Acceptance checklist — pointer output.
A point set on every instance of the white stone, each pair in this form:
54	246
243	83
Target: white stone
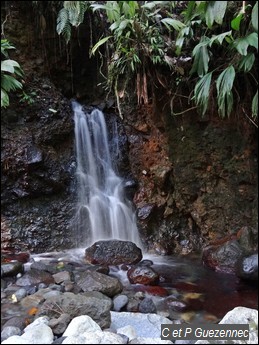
80	325
75	340
107	337
145	325
40	334
43	320
15	339
239	315
129	331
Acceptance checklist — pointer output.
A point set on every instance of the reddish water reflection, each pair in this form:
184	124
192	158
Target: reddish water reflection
209	291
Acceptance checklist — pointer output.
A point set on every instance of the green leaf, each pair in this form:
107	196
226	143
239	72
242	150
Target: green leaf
202	91
247	62
219	38
4	99
224	86
133	6
235	23
255	105
176	24
253	40
219	9
209	15
9	66
243	43
123	24
255	17
201	57
215	12
9	83
99	43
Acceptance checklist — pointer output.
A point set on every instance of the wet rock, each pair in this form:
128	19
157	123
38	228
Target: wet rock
247	267
59	325
142	275
9	331
223	258
94	281
133	304
113	252
93	303
146	211
16	321
145	263
61	276
34	277
147	306
20	294
119	302
176	305
130	187
11	269
33	155
44	267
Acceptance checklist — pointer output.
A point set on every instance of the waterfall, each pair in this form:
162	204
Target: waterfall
103	211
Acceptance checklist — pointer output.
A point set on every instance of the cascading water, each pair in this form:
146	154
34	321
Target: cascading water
103	210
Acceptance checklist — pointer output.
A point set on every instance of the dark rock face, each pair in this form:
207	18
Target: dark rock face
37	175
113	252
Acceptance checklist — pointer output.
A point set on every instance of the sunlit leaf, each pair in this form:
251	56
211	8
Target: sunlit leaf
9	66
99	43
255	16
219	8
235	23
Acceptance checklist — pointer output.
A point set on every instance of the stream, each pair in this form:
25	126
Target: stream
187	290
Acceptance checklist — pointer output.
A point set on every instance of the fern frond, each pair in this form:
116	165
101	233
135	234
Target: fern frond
63	24
9	83
202	91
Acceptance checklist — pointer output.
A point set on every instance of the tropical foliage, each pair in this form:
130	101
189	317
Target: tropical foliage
146	39
10	71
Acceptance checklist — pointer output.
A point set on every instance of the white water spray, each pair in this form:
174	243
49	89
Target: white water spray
103	210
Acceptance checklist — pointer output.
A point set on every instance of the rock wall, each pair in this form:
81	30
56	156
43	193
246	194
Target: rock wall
197	180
